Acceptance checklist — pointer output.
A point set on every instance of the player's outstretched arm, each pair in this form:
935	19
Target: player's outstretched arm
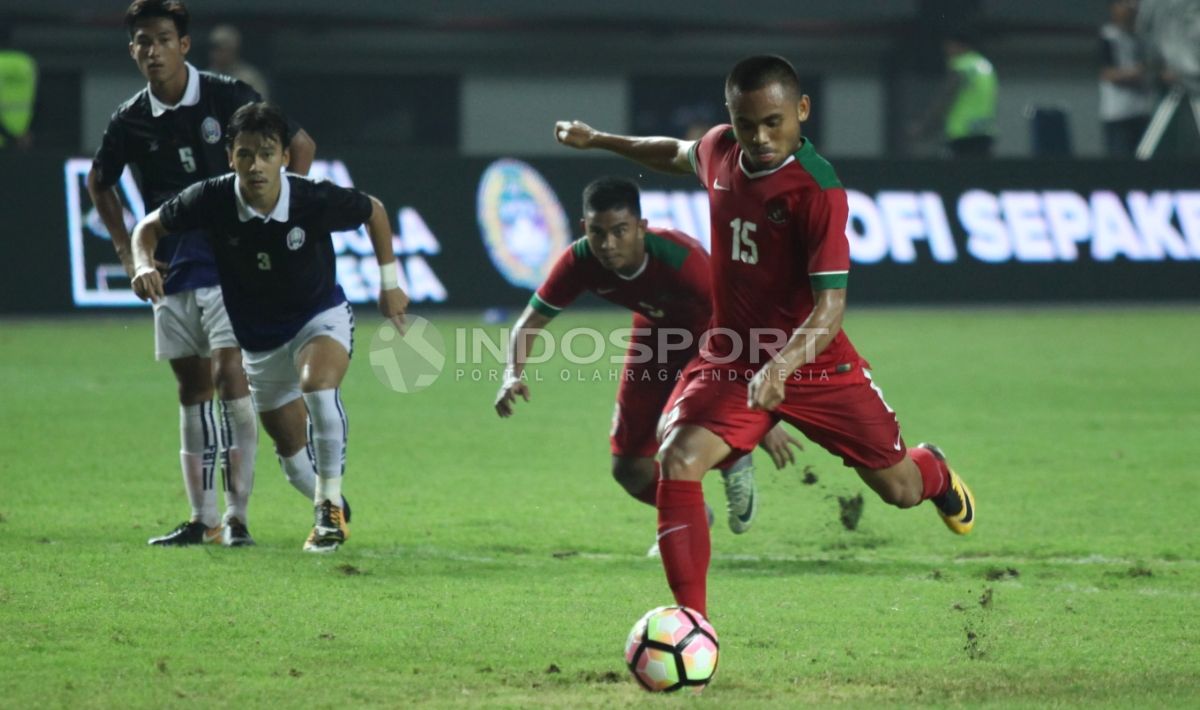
301	149
528	325
147	281
393	301
668	155
112	214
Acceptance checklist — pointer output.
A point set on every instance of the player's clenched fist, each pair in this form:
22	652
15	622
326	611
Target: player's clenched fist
576	134
148	284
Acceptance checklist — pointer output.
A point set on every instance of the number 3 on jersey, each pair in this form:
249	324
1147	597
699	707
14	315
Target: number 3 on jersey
744	248
264	261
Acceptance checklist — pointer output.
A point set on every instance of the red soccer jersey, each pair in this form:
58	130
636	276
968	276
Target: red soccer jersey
672	289
777	235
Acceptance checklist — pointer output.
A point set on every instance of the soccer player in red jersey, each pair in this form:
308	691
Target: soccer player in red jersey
663	277
780	260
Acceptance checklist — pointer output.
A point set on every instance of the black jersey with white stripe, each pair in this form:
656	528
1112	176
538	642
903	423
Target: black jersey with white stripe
169	151
277	271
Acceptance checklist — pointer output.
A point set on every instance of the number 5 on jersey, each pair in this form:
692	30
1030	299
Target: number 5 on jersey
744	248
188	160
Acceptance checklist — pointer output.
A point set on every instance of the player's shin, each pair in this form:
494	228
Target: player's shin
683	541
239	446
198	439
329	431
301	472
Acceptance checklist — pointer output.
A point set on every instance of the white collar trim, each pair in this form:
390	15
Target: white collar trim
641	269
191	95
762	173
280	214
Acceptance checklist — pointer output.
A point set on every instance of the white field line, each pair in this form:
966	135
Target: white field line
539	557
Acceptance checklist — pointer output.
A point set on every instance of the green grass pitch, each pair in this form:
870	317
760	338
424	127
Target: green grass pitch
496	563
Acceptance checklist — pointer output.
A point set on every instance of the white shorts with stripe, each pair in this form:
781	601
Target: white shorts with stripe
274	375
191	323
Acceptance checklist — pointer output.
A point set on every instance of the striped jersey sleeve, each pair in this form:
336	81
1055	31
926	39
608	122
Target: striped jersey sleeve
824	216
564	284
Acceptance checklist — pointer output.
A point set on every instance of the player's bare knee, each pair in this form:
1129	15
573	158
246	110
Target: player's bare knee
676	464
228	375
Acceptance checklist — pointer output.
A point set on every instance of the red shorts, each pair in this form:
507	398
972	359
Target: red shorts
843	412
642	396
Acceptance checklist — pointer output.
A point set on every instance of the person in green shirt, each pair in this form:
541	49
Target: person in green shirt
18	87
966	105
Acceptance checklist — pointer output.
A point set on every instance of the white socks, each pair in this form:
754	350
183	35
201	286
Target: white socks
328	440
300	473
239	446
198	439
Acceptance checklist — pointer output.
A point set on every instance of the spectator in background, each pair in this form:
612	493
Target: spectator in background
224	57
18	87
1171	31
966	104
1126	95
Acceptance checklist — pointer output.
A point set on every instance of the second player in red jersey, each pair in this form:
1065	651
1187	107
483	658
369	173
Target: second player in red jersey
780	260
663	276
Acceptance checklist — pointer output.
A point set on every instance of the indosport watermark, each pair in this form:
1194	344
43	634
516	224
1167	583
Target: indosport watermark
416	359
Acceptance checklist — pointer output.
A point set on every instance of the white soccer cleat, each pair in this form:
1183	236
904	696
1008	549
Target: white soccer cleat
741	494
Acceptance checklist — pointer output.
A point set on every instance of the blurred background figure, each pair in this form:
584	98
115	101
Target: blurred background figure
1171	32
18	87
1126	92
965	107
224	57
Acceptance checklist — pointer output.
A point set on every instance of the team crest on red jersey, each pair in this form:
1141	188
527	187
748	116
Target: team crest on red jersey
777	211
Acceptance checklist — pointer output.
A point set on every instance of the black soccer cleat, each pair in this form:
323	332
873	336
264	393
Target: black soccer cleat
329	530
236	534
191	532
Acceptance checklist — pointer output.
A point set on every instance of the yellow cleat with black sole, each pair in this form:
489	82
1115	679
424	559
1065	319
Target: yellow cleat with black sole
957	505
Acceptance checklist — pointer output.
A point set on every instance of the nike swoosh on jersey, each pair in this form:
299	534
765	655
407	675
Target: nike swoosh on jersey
602	291
718	186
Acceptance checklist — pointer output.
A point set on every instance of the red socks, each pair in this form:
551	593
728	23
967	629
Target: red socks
683	541
935	477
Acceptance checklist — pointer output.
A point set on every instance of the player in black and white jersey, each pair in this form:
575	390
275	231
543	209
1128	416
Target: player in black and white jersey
270	234
171	134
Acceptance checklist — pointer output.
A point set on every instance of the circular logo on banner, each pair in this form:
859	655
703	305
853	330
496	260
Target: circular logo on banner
295	238
522	222
210	130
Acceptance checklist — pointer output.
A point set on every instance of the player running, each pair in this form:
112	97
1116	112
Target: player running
270	234
170	132
780	260
663	277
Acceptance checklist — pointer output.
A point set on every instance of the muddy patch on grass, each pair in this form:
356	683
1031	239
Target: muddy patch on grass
850	510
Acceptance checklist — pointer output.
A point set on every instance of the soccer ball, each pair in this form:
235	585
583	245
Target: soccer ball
672	647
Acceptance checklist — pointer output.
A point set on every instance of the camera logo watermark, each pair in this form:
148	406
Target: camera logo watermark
410	362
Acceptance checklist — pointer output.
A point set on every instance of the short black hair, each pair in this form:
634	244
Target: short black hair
260	117
141	10
754	73
612	193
